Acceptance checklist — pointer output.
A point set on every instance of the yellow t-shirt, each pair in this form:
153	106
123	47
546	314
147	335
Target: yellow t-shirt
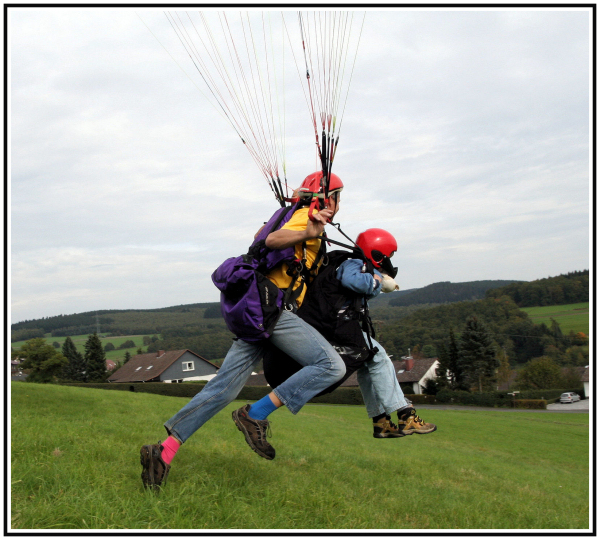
279	276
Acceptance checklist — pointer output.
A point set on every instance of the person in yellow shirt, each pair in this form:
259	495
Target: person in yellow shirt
321	365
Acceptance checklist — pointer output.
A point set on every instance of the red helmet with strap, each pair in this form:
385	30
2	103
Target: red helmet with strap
311	187
379	247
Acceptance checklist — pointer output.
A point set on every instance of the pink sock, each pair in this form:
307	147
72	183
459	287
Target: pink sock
170	447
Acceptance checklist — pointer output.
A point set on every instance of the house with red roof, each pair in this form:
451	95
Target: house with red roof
415	371
165	366
409	371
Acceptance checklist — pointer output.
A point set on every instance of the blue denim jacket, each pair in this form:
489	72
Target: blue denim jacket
351	277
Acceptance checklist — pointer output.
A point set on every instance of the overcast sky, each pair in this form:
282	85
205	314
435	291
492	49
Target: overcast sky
466	134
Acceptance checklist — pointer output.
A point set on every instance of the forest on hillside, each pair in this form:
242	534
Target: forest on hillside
445	291
568	288
424	326
120	322
511	330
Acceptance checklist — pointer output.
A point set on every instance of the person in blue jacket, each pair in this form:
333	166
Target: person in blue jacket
377	377
336	304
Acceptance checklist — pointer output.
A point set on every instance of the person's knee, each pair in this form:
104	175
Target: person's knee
338	368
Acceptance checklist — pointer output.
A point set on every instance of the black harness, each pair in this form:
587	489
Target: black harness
339	314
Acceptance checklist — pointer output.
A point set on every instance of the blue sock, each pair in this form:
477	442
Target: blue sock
262	408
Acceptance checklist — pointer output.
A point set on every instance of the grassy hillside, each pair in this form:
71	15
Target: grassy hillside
75	465
79	341
570	317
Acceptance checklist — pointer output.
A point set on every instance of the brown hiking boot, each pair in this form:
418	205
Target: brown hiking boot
255	432
386	429
154	469
410	423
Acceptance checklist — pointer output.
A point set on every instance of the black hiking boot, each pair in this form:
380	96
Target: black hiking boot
255	432
154	469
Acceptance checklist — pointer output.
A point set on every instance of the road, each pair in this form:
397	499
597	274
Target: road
582	406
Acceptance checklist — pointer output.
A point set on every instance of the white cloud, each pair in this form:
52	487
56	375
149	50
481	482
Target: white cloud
466	134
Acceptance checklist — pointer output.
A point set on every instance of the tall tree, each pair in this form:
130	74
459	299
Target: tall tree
450	372
477	354
504	370
44	361
76	369
127	357
441	372
95	359
455	369
540	373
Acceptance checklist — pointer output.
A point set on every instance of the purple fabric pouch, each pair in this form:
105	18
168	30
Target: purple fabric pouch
250	302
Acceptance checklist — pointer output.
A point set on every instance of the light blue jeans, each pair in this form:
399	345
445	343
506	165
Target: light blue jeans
379	384
322	368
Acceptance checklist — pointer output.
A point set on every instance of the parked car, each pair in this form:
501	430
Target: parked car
569	397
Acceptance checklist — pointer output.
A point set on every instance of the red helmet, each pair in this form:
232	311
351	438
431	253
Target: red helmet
311	187
379	247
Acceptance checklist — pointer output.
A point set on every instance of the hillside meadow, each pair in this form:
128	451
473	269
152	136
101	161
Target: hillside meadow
75	465
79	341
570	317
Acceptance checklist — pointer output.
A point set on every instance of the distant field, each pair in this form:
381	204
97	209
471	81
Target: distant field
110	355
574	317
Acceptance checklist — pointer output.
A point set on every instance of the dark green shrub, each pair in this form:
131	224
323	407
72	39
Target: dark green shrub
530	403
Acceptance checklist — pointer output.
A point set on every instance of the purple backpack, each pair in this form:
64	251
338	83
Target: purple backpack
250	302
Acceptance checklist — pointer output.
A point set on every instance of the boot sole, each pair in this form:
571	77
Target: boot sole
242	428
389	435
420	432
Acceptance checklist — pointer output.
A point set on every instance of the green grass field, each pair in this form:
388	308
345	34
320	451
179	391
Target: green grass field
79	341
75	465
574	317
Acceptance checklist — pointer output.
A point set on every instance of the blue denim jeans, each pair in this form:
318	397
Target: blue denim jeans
379	384
322	368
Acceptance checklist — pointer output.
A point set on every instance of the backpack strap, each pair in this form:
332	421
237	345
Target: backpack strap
303	272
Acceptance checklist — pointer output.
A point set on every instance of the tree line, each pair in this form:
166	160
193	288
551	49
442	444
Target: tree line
445	291
46	364
510	329
117	322
570	288
472	361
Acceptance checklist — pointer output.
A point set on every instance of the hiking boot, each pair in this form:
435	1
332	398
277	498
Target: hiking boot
255	432
386	429
410	423
154	469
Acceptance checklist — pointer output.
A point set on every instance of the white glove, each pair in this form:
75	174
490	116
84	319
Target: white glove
389	284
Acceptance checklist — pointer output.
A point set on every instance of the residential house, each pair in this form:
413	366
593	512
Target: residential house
16	373
15	366
409	371
585	379
415	371
165	366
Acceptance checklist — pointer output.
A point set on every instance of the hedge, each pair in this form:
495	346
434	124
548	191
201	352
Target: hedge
352	395
340	396
530	403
